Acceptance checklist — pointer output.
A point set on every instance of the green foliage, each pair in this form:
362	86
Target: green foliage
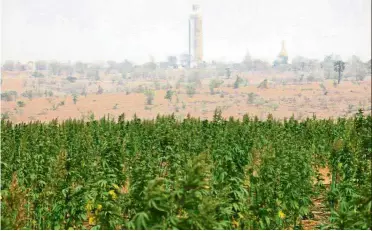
71	79
74	98
28	94
21	104
100	90
214	83
150	95
263	84
37	74
238	82
9	95
339	67
189	174
190	89
251	98
5	116
169	95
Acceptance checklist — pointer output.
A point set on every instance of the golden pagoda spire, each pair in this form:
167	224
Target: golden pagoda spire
283	52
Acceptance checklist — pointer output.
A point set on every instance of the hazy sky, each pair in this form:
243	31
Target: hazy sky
134	29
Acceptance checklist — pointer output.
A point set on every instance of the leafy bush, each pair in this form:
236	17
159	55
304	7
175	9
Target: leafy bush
263	85
237	82
190	90
74	98
214	83
28	94
5	116
150	95
9	95
37	74
71	79
21	104
251	98
100	90
169	95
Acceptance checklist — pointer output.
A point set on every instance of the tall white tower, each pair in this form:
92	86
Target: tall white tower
195	37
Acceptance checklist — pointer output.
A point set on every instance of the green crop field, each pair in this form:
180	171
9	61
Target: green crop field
190	174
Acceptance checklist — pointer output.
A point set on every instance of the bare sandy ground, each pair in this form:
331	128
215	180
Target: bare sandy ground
281	101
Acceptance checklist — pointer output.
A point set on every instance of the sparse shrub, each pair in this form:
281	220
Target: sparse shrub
190	90
169	95
37	75
61	103
157	85
325	92
214	83
140	89
237	82
251	98
28	94
9	96
263	84
71	79
178	84
310	78
275	106
84	91
21	104
5	116
100	90
150	94
115	107
183	105
74	98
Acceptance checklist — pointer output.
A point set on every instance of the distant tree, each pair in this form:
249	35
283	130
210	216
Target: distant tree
54	68
190	90
9	65
41	65
125	67
263	84
71	79
237	82
9	95
247	62
150	66
358	68
172	61
228	73
74	98
214	83
79	67
184	60
169	95
112	65
328	66
260	65
339	67
37	74
149	96
100	90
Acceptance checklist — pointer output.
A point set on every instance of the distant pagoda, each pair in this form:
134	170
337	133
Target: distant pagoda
282	57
